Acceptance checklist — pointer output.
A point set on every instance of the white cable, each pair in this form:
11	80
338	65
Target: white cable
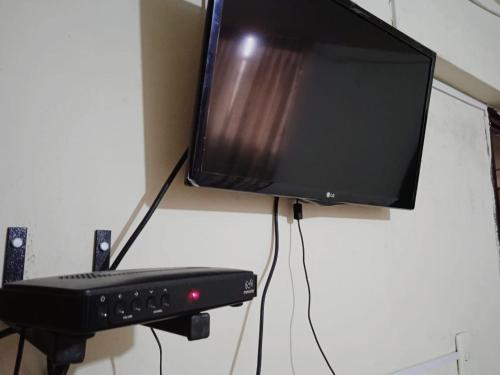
484	7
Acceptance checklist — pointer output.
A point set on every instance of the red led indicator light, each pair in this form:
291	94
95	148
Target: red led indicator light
194	295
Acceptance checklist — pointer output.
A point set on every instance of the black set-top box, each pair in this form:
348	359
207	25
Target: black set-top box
89	302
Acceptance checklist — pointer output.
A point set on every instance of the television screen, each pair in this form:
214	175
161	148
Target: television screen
310	99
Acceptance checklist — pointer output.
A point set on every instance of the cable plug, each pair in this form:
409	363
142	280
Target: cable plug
297	211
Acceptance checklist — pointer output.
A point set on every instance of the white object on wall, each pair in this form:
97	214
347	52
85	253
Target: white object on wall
426	367
462	355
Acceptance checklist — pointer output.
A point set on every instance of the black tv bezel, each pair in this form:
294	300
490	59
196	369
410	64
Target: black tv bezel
197	177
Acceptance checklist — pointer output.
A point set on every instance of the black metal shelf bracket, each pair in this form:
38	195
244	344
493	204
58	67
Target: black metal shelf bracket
15	253
193	327
102	250
61	349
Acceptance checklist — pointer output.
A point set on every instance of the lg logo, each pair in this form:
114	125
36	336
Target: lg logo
330	195
249	284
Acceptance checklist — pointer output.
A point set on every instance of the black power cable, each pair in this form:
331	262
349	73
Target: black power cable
297	210
19	356
268	281
160	348
150	212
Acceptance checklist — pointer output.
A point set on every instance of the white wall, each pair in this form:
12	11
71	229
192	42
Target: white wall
95	107
379	8
462	34
459	31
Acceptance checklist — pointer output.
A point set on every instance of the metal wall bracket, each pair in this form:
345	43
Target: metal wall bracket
15	252
102	250
61	350
194	327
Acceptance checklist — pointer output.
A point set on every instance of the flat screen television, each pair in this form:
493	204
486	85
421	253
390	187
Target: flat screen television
311	99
